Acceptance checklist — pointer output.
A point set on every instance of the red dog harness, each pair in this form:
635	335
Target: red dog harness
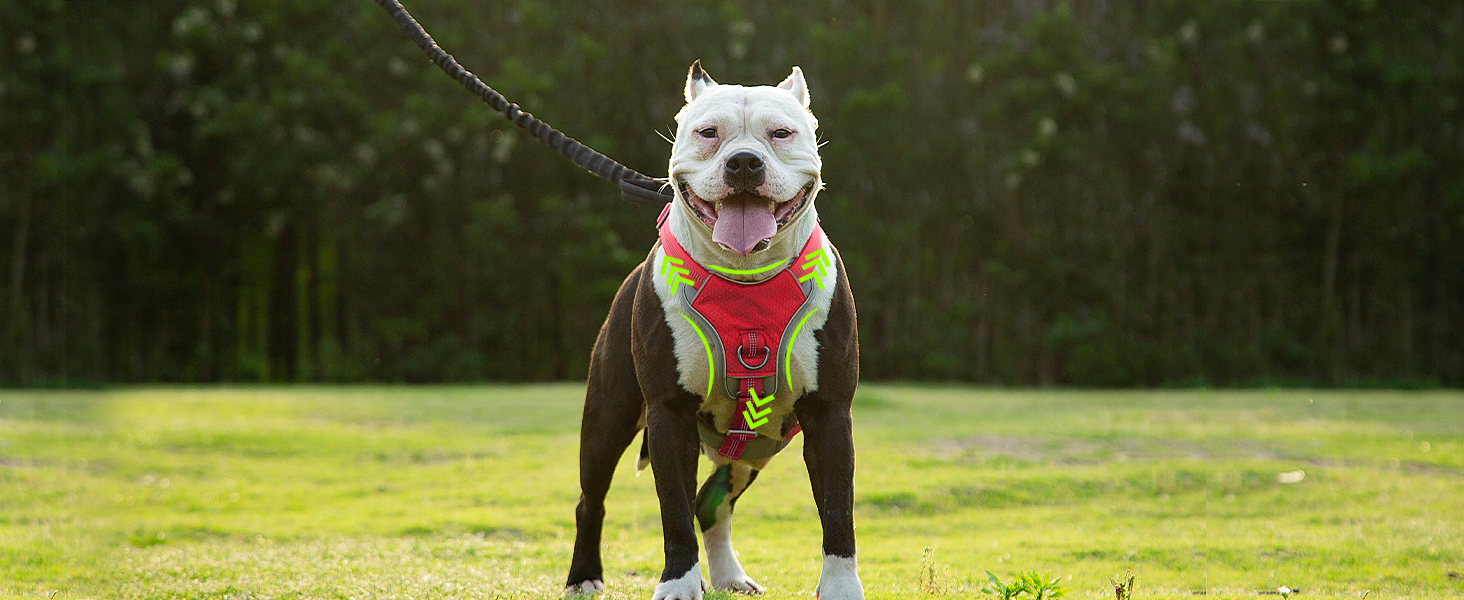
747	330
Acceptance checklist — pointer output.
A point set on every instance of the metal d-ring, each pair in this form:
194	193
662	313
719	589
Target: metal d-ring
766	354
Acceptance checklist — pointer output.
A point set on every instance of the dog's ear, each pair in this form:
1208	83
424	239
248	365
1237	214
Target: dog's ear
697	81
795	84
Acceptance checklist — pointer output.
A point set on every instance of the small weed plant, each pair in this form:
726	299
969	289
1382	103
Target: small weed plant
1034	585
1123	587
1004	591
931	573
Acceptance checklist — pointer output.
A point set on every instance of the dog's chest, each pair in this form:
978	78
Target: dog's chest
702	365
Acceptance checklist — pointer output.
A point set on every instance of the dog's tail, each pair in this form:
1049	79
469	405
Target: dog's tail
645	453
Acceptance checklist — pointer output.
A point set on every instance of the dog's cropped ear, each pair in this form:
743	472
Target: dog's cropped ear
697	81
795	84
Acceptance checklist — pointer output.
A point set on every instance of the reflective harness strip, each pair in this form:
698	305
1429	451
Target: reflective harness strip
742	327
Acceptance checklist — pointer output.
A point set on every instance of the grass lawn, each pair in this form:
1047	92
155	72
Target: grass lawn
469	492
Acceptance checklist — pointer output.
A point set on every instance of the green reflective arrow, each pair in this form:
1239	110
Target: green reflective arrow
757	418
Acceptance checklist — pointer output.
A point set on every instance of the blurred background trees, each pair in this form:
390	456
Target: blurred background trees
1154	192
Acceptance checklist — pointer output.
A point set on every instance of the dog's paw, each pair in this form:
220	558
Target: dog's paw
686	587
585	588
722	565
839	580
741	584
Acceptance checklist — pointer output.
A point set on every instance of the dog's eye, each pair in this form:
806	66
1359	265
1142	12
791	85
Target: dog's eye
782	134
708	133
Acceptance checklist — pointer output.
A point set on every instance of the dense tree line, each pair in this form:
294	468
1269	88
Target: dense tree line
1152	192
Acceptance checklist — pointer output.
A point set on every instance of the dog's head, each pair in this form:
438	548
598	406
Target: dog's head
745	161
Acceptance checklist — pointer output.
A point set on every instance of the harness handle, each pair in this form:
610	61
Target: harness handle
634	186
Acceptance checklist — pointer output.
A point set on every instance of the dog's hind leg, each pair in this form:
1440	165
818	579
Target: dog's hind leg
714	504
614	408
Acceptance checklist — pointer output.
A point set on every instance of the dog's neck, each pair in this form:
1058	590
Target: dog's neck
696	239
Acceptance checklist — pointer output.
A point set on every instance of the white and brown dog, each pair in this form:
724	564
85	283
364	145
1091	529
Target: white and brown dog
737	332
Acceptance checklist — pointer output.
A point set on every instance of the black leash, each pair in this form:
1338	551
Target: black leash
633	186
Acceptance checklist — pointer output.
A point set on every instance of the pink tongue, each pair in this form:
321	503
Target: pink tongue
741	225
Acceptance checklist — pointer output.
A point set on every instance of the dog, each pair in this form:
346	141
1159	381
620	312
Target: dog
737	332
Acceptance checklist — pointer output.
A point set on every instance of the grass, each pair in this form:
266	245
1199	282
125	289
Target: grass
468	492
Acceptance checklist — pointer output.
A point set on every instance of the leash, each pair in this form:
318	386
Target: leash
634	186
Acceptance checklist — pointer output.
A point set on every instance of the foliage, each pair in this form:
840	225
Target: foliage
1031	583
1004	591
1102	194
1041	587
1123	587
932	574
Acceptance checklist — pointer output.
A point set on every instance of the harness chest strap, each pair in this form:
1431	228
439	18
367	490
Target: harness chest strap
750	325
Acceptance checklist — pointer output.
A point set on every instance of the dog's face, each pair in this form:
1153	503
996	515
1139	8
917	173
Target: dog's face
745	160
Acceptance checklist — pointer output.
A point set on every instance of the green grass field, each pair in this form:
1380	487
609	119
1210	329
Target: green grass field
468	492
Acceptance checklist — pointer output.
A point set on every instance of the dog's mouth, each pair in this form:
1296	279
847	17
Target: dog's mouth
743	221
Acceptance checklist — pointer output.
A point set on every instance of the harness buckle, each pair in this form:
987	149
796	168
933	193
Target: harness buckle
735	442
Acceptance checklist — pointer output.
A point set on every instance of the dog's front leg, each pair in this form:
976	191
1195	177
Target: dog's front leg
673	445
828	451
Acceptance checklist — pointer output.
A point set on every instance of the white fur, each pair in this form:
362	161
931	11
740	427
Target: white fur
839	579
722	564
686	587
697	82
744	118
585	588
797	86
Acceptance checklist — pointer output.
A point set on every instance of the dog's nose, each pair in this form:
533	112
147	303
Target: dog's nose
744	163
744	168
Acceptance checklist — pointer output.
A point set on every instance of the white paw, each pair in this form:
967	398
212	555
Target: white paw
686	587
742	584
588	586
839	580
722	564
